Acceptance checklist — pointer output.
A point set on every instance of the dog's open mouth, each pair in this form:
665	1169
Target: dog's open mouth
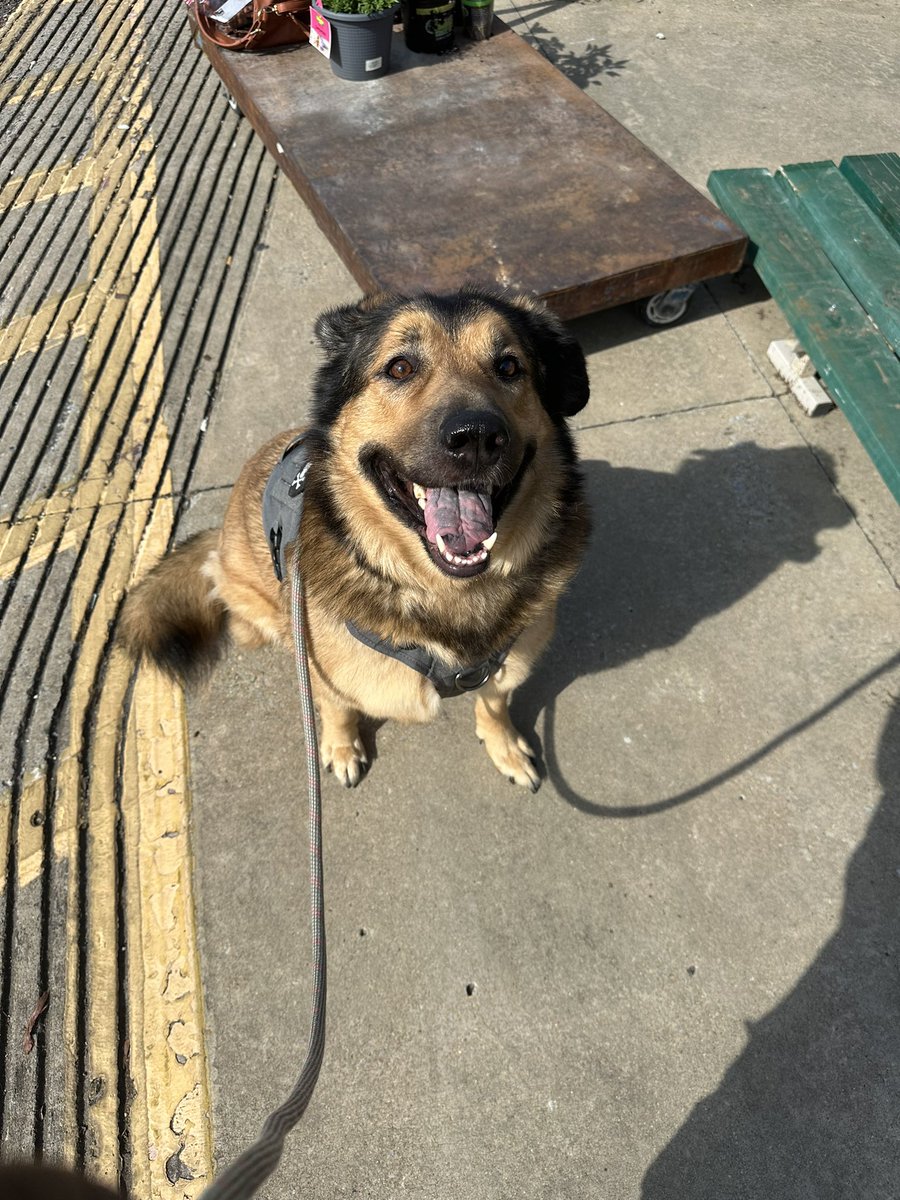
457	525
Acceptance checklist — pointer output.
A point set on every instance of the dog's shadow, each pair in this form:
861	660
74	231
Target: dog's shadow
668	551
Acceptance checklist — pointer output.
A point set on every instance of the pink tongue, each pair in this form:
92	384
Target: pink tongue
463	519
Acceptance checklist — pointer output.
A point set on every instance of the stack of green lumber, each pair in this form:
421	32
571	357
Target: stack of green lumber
826	242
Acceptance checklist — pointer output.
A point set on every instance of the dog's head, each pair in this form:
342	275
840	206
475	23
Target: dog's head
437	406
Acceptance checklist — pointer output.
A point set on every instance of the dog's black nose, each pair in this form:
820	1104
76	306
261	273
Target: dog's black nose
475	437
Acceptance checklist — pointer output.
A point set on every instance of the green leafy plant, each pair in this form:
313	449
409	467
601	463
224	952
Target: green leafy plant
360	7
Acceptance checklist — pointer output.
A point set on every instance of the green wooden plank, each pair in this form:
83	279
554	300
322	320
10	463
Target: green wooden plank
865	254
851	356
877	179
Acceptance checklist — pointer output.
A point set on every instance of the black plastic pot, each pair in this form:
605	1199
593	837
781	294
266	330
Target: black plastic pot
360	43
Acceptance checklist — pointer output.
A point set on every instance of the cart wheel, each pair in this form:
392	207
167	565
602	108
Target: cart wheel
230	100
665	308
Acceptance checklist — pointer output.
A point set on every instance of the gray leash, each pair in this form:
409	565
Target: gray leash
253	1167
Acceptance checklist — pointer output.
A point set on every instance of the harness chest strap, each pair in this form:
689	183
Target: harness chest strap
282	511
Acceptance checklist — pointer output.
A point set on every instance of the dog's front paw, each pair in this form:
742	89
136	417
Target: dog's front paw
511	755
348	761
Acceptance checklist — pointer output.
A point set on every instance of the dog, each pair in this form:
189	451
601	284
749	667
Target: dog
443	516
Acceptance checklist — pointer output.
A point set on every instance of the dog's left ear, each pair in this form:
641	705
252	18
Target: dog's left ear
564	387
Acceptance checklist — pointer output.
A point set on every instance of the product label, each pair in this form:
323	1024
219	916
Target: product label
226	11
372	64
319	33
438	19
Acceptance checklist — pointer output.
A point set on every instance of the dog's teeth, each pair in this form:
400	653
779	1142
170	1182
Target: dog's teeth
488	543
419	492
449	556
421	502
460	560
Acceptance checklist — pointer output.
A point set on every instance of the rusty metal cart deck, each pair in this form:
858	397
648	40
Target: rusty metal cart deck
484	166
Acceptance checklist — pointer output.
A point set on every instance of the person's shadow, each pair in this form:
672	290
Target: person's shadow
809	1111
667	551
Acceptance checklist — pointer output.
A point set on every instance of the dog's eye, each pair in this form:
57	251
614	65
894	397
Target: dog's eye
508	367
400	368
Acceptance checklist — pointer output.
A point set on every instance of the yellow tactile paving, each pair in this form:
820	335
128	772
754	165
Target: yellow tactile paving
119	311
58	318
170	1117
28	16
60	180
14	91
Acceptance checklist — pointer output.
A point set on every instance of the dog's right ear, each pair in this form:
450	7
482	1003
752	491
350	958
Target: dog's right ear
346	335
334	328
337	328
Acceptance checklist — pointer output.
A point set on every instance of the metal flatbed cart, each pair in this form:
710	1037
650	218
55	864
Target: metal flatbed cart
485	166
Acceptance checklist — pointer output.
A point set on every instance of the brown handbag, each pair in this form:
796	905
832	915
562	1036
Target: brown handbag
260	25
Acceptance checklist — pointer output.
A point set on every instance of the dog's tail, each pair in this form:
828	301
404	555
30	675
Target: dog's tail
173	618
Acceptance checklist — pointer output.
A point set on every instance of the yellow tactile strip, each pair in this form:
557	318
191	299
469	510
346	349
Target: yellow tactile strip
97	902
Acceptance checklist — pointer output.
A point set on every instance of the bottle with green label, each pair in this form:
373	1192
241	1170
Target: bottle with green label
428	25
478	19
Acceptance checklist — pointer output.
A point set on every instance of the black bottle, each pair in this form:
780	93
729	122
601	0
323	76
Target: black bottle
428	25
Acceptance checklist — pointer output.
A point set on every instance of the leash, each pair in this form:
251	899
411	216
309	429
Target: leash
253	1166
282	511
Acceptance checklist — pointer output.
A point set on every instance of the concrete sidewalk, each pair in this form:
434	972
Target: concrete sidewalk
671	974
680	954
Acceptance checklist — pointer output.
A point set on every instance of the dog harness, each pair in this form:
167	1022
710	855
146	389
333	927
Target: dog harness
282	510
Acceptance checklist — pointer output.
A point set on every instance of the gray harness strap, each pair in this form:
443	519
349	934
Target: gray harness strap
282	505
448	681
282	510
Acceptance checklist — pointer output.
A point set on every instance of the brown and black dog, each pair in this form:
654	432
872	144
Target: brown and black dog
443	510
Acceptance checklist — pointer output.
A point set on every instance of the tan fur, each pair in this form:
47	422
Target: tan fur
402	595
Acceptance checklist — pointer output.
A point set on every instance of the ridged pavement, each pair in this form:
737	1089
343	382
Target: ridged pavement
131	203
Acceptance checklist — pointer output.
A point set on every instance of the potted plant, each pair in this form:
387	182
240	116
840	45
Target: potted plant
361	32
